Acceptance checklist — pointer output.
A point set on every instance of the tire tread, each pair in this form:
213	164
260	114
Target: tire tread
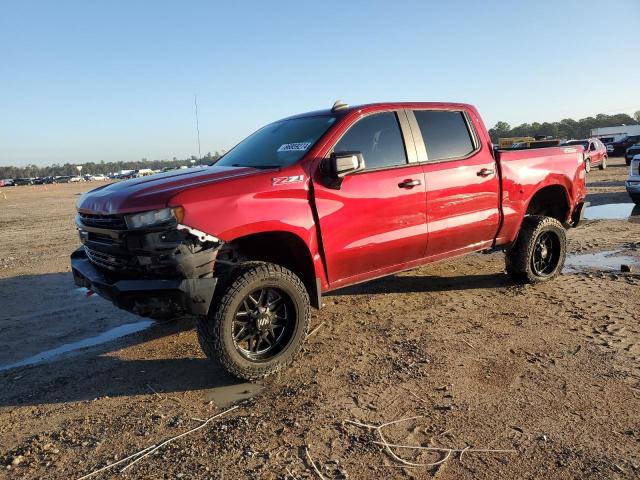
518	257
209	327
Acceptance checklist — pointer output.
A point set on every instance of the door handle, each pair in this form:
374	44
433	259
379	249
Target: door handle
485	172
409	183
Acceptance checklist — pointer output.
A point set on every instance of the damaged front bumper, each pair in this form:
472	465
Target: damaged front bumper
157	273
156	298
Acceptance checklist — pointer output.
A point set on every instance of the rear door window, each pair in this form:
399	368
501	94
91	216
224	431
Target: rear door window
445	134
378	138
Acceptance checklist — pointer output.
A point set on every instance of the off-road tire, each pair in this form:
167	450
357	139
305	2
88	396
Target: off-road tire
215	330
635	199
587	165
519	258
603	165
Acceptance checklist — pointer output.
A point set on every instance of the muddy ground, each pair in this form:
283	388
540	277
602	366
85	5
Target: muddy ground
549	372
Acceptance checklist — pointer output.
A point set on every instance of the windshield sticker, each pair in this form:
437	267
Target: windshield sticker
294	147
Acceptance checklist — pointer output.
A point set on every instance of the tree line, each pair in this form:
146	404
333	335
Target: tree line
567	128
102	167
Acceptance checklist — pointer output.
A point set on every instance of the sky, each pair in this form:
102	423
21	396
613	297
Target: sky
115	80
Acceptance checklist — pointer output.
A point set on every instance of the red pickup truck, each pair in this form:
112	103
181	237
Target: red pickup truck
316	202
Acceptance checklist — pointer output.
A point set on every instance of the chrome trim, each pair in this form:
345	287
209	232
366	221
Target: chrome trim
202	236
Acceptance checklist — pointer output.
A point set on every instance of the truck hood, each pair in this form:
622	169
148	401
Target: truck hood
153	192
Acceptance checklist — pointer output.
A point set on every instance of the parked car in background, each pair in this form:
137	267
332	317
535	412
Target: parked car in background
97	178
62	179
631	152
143	172
595	152
7	182
23	181
75	179
619	147
633	182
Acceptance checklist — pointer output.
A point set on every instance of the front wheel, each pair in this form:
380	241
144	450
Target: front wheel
539	252
258	322
603	165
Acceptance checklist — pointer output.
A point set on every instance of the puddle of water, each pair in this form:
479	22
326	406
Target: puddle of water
614	211
230	394
114	333
609	261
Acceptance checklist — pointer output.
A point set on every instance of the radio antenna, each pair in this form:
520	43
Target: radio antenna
195	103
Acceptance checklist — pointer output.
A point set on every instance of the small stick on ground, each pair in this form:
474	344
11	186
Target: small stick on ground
306	452
447	451
156	393
117	463
149	450
178	436
419	398
462	453
463	340
315	329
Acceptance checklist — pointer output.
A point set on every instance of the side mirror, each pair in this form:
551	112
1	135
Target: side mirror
339	165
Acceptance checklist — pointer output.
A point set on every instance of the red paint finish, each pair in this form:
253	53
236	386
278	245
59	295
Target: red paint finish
463	202
369	227
371	223
596	152
525	172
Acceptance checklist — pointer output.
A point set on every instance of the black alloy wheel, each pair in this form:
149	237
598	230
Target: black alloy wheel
539	252
545	254
263	324
258	320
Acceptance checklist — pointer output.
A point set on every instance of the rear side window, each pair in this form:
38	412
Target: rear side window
445	134
379	140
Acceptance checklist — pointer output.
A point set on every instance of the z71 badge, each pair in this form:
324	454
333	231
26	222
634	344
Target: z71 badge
283	180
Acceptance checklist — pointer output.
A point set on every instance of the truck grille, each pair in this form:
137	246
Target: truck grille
111	222
109	261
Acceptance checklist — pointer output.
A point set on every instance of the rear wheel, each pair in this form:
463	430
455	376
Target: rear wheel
587	165
635	199
603	165
539	252
258	322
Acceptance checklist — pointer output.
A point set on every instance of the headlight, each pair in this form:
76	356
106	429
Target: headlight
154	217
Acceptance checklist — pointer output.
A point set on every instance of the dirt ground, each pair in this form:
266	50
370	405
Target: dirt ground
550	373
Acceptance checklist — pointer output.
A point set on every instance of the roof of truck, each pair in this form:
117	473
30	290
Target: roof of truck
343	110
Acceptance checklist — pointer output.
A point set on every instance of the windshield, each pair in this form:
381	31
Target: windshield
584	143
278	144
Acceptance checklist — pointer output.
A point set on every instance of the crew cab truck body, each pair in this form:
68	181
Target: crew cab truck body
316	202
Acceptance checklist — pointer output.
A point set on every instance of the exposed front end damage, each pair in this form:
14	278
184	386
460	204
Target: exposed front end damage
158	272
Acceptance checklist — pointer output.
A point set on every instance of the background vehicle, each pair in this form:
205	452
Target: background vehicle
619	147
631	152
595	152
143	172
7	182
23	181
633	182
316	202
504	143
